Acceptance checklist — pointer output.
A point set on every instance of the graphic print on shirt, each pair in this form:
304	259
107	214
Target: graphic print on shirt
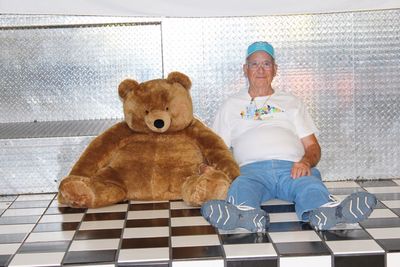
253	113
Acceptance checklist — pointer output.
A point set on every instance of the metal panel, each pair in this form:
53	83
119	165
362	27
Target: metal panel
52	73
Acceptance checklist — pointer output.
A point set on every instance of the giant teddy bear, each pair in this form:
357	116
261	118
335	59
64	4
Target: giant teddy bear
159	152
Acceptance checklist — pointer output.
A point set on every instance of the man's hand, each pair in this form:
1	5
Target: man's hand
312	154
300	169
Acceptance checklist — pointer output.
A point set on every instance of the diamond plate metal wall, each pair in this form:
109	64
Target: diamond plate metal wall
345	67
71	72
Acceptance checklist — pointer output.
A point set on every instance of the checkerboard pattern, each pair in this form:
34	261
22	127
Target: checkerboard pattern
37	231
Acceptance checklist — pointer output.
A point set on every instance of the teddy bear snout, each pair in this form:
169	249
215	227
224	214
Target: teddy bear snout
158	121
159	124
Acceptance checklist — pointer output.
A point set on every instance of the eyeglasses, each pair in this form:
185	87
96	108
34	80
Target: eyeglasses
255	65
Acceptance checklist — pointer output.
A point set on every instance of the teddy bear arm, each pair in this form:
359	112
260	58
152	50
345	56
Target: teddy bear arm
99	152
214	150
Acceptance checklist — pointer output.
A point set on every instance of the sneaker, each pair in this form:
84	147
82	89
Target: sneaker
353	209
226	216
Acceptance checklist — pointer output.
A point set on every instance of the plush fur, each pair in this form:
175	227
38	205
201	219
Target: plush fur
160	152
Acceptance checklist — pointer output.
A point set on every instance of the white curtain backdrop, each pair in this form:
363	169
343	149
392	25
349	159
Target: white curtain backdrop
189	8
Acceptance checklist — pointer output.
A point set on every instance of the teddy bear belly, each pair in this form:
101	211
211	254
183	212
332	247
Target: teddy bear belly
155	168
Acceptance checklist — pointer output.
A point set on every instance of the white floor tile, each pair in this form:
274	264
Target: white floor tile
393	259
276	202
113	208
94	244
312	261
97	225
195	240
143	255
383	189
294	236
188	221
4	205
35	197
354	246
9	249
74	217
37	259
23	212
383	213
384	233
148	214
50	236
249	250
202	263
341	184
283	217
393	204
16	229
142	232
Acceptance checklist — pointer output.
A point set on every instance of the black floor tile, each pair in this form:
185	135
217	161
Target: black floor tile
301	249
98	234
197	252
149	206
4	259
390	245
185	213
147	222
96	256
380	222
42	247
193	230
377	183
252	263
351	234
153	242
360	260
244	238
279	208
12	238
289	226
104	216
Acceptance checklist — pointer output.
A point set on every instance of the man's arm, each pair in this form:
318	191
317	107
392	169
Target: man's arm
312	155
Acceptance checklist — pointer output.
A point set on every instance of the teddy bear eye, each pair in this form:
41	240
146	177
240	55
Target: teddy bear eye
166	108
147	112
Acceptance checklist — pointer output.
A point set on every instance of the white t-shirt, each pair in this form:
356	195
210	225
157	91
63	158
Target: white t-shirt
265	128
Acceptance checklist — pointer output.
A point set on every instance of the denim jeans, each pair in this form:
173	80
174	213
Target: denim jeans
265	180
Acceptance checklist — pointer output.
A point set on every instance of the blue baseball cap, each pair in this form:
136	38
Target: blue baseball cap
261	46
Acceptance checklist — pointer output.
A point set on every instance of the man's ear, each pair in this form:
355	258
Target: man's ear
127	86
245	69
178	77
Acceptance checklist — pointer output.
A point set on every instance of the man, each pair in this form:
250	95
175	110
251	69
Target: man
273	138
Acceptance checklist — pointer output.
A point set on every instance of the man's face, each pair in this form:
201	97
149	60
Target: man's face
260	69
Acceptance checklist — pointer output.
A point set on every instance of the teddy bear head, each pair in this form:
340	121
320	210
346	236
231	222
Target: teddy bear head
160	105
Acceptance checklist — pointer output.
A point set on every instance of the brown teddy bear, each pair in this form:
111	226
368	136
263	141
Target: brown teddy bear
160	152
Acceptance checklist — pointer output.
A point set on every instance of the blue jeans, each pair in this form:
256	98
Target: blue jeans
265	180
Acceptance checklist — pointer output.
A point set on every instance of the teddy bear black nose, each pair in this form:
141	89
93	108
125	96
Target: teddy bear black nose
159	124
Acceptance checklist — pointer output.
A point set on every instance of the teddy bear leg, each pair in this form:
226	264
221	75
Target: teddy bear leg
90	192
211	184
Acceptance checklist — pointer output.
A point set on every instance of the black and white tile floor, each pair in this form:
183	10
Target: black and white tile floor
36	231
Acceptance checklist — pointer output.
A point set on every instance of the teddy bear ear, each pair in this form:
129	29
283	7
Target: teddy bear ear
178	77
127	86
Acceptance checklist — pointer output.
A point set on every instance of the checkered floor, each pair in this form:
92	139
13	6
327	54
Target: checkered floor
36	231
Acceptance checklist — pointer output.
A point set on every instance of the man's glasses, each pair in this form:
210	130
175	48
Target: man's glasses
255	65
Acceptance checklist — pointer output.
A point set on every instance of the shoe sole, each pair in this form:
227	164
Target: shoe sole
353	209
223	215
